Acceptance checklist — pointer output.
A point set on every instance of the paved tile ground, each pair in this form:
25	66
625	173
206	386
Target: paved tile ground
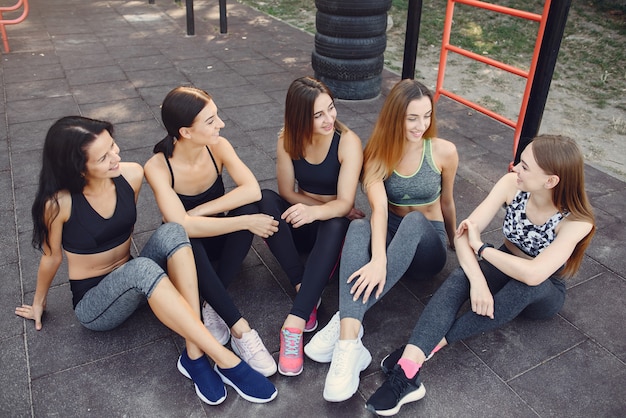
116	60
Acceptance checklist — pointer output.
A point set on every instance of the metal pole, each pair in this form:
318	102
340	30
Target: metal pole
223	22
191	29
413	19
546	61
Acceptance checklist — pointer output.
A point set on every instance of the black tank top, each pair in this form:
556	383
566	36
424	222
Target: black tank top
216	190
320	178
86	232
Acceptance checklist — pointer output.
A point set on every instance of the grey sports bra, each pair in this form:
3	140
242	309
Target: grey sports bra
421	188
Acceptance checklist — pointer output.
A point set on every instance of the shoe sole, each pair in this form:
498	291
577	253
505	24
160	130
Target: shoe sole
348	394
204	399
289	373
416	395
267	372
243	394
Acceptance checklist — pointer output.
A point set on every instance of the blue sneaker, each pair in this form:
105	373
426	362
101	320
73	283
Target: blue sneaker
250	384
209	386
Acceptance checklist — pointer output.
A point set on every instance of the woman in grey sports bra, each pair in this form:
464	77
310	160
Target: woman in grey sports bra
408	177
548	225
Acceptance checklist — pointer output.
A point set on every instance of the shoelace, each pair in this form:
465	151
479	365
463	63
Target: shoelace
340	362
211	318
251	345
396	383
331	334
292	343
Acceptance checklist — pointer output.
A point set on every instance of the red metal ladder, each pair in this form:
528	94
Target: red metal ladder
528	75
4	21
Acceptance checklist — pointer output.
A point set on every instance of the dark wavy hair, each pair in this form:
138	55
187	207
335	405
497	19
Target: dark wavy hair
179	109
62	168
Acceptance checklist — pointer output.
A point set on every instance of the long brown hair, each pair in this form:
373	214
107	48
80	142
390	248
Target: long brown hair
386	144
297	131
559	155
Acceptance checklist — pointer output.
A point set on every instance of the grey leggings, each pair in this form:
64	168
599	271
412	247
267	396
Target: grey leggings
511	298
123	290
415	246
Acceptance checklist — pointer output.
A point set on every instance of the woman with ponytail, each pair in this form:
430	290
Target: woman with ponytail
186	176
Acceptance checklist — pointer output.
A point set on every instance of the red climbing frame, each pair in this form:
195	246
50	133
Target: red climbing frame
528	75
4	21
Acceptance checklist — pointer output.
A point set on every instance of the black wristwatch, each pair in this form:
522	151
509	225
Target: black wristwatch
479	253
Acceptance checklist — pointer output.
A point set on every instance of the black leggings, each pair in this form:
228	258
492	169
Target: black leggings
218	260
321	239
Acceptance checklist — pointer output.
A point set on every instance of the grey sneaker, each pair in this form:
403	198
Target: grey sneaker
215	324
251	350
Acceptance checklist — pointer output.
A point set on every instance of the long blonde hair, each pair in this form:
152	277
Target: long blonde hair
386	144
559	155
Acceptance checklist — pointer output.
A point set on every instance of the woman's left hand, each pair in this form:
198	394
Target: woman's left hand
355	214
473	234
298	215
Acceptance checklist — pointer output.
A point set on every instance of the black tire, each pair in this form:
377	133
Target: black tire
351	26
345	69
353	7
350	48
353	90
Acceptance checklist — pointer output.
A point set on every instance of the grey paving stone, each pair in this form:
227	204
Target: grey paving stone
41	109
600	297
138	382
104	90
559	388
15	394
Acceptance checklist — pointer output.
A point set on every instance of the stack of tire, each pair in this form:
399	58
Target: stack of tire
350	42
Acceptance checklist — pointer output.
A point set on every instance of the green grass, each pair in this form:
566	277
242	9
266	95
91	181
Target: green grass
591	60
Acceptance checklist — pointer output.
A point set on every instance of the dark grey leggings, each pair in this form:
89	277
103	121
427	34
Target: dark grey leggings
511	298
123	290
415	246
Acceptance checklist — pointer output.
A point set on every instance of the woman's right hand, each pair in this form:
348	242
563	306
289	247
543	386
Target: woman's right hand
481	300
34	312
366	279
262	225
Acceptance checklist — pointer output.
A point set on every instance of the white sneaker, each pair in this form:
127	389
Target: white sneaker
321	346
350	358
215	324
251	350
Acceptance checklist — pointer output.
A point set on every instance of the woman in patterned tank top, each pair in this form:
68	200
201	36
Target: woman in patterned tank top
548	225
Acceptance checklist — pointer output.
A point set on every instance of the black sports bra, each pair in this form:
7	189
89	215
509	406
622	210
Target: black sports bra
320	178
213	192
87	232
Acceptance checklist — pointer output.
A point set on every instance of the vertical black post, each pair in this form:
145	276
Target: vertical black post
150	1
191	29
413	19
223	22
550	45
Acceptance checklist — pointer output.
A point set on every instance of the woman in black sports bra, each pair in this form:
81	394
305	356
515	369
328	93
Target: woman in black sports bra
318	164
85	208
186	177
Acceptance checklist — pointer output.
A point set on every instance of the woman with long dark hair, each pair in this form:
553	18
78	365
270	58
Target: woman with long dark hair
85	208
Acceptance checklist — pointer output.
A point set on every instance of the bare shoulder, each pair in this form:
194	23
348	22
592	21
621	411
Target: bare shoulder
443	147
350	142
64	202
133	173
